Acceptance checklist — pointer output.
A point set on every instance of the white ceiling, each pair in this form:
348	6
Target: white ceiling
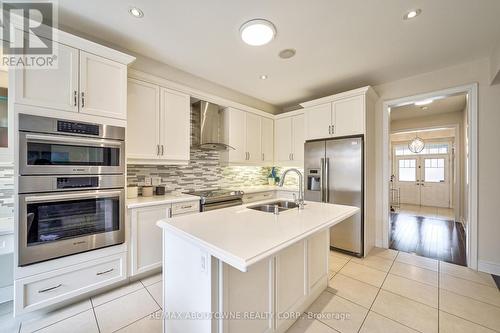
445	105
341	44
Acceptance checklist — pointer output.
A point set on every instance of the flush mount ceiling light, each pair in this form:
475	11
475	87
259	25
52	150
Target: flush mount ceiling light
416	145
412	14
424	102
136	12
287	53
257	32
263	77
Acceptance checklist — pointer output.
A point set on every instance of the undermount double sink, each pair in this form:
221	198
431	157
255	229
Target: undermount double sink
270	207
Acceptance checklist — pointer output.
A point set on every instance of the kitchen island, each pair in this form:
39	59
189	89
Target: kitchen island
243	270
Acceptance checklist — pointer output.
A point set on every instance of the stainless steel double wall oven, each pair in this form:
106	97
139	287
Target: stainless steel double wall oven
71	187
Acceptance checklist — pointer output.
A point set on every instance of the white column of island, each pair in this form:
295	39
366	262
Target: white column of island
238	270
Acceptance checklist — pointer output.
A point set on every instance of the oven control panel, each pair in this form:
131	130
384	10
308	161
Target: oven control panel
77	128
77	182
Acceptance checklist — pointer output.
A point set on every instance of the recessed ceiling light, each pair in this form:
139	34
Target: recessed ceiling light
257	32
263	77
136	12
424	102
412	14
287	53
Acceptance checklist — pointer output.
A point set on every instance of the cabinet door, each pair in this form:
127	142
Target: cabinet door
283	139
267	128
55	88
291	288
236	135
146	238
298	134
247	292
349	116
318	121
175	125
103	86
317	253
143	119
253	138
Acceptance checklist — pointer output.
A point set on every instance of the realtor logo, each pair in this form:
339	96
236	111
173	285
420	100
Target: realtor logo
28	35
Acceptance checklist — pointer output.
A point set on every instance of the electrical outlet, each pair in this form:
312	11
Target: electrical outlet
147	181
155	181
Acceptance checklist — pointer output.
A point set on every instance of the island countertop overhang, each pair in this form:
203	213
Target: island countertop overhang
242	237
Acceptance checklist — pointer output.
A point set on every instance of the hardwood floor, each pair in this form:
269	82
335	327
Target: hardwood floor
428	237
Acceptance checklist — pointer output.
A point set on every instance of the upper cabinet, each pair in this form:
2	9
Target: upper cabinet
158	124
338	115
251	136
82	82
289	140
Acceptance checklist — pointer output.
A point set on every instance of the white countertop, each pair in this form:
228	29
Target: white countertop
241	237
160	200
264	188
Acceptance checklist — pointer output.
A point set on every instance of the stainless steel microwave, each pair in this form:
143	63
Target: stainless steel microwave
62	147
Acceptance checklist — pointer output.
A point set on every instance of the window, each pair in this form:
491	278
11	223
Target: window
407	170
434	170
430	148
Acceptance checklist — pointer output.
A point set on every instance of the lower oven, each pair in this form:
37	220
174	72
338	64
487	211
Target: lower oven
64	215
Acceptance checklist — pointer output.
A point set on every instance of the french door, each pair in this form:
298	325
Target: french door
423	180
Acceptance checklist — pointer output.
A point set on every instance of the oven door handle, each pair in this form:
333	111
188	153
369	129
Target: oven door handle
69	139
69	196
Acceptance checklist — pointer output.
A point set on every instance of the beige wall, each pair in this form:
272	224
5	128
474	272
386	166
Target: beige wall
443	119
495	65
488	138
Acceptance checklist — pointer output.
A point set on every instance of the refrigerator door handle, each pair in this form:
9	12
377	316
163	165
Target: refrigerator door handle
322	181
327	179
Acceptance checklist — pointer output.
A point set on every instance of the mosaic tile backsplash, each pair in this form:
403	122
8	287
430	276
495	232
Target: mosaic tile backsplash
204	171
6	191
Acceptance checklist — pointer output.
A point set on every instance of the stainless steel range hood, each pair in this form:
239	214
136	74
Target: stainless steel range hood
211	126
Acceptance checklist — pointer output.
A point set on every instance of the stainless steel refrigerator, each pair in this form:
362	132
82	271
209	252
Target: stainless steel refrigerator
334	173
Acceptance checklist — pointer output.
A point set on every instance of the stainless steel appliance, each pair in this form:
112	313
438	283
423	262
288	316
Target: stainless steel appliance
211	126
334	173
56	146
71	188
217	199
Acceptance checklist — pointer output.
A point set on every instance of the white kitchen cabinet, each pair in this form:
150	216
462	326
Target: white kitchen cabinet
259	196
337	115
349	116
158	124
103	86
143	130
146	237
289	140
82	82
249	292
267	129
175	125
235	135
317	253
291	288
55	88
253	138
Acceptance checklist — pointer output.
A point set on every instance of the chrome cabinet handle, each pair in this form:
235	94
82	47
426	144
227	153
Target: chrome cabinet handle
162	149
186	207
292	156
330	129
169	213
75	98
105	272
333	129
65	139
83	99
49	289
158	150
248	155
263	156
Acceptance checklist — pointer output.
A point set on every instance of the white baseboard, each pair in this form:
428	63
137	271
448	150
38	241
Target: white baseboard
489	267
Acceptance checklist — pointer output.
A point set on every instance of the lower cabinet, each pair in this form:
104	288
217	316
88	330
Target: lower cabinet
146	236
41	290
275	289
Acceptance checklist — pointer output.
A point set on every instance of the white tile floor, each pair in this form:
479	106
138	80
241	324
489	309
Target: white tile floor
388	291
427	211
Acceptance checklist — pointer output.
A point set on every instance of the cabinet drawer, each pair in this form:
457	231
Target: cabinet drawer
45	289
252	197
185	207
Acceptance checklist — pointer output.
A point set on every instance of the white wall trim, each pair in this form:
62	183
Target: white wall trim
143	76
489	267
472	236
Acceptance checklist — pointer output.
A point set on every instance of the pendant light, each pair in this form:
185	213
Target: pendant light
416	145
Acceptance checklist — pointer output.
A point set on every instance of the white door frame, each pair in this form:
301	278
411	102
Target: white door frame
472	94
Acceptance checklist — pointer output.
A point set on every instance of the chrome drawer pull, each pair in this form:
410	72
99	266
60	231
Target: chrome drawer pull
104	272
49	289
186	207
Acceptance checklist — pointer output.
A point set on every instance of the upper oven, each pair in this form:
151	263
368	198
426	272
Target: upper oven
61	147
